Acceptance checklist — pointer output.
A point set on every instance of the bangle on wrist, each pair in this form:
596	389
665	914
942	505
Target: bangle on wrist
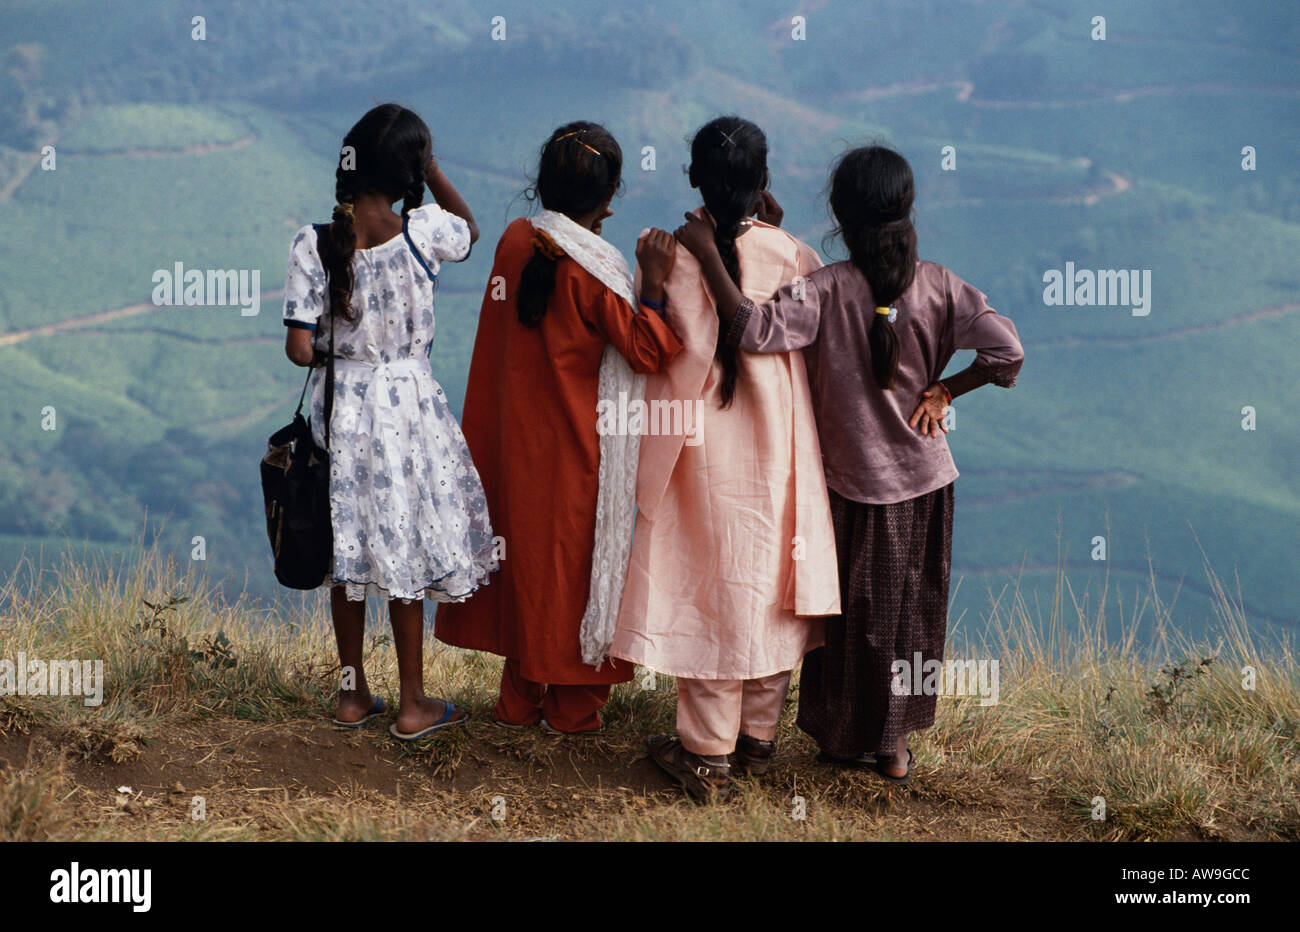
947	395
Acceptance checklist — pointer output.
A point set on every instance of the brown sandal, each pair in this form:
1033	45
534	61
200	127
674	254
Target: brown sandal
753	757
703	781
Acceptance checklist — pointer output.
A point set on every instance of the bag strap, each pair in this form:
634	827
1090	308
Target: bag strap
415	252
302	394
323	231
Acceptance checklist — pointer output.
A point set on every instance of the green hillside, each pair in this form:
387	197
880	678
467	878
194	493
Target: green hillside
1117	154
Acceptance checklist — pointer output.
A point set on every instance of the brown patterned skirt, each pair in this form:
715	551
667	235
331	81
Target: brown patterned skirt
895	561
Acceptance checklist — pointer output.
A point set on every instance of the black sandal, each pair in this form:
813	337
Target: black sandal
753	757
863	761
703	781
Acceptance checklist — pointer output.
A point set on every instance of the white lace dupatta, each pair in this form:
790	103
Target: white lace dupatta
616	491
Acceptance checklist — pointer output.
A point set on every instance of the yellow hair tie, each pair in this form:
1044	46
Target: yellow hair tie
543	243
343	210
883	310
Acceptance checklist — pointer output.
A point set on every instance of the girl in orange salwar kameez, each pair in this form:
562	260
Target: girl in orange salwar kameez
734	554
558	330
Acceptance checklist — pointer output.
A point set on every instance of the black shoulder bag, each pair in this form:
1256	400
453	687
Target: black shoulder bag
296	488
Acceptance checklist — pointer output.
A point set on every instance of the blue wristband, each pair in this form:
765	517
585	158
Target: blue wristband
654	305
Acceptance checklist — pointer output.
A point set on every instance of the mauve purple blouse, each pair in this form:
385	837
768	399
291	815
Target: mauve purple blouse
869	453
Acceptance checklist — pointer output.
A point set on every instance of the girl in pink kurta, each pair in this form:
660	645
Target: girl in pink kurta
733	560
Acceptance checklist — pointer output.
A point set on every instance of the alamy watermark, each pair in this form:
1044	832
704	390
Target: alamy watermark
952	677
77	884
182	287
34	677
653	418
1072	287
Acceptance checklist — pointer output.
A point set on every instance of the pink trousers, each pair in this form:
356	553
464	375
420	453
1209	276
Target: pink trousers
712	714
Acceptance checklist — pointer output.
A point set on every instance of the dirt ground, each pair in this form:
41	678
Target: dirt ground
261	780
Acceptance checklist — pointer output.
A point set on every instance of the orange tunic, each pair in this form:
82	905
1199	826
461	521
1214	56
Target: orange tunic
530	422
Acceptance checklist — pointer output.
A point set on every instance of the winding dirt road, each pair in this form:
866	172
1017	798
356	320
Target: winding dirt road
99	317
26	168
1222	323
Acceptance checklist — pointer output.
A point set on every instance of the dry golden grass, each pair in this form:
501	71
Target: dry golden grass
219	700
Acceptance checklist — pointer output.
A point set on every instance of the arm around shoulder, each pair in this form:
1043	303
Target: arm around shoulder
789	321
640	335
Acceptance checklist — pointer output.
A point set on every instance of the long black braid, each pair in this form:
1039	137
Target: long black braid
729	166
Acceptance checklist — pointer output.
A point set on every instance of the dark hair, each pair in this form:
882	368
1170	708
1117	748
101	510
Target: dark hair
872	192
387	151
729	166
580	168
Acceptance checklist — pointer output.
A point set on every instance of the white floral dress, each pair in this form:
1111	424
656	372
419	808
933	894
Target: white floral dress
409	514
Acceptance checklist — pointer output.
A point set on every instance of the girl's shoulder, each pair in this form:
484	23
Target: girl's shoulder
933	278
438	233
519	229
425	212
775	239
516	238
924	267
303	248
305	234
932	275
430	215
836	276
765	248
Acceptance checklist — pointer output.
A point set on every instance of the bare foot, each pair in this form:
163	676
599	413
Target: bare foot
354	706
414	717
895	766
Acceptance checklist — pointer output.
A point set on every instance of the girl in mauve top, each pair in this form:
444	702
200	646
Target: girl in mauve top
877	331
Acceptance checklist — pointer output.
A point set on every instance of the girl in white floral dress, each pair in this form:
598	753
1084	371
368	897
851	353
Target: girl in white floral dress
409	516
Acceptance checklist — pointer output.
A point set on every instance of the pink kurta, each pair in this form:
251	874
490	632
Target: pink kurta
734	553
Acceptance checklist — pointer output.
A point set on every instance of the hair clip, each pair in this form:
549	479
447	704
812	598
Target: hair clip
726	137
577	132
